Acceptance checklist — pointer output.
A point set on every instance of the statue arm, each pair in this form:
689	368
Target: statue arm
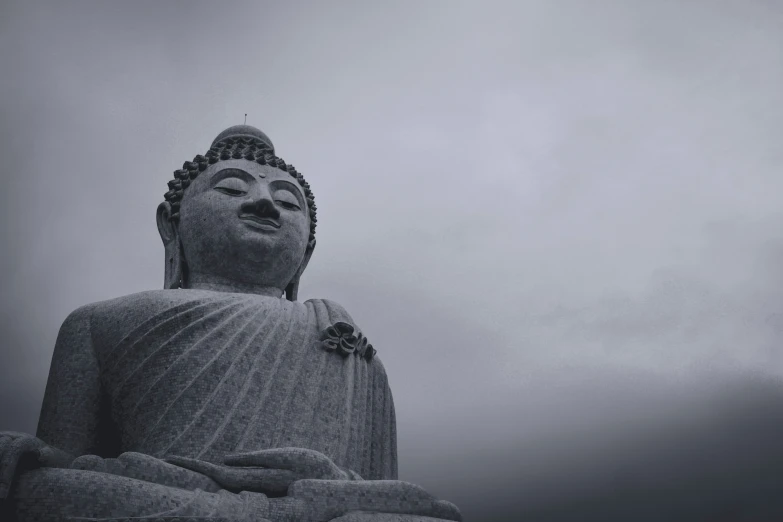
71	418
384	464
68	426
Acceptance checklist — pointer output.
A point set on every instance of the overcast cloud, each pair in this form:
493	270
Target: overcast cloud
561	223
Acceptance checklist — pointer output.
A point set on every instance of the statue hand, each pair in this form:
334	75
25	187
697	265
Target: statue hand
261	480
305	463
370	500
15	446
267	471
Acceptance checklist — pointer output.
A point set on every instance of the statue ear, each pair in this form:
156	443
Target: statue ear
292	290
169	233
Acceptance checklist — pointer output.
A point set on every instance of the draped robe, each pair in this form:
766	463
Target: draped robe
203	374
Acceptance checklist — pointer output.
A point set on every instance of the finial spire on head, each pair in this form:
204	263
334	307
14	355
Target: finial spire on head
245	131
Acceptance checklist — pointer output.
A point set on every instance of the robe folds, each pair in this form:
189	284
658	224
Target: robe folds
203	374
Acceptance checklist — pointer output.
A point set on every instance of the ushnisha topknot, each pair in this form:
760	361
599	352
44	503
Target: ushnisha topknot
245	131
238	142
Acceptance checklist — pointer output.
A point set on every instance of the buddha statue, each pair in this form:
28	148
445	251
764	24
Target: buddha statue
220	397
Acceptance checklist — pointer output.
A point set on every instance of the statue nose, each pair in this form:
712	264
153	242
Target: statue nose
263	206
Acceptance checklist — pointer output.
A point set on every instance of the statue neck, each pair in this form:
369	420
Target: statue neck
219	284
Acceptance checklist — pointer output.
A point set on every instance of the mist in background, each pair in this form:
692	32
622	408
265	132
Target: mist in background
561	223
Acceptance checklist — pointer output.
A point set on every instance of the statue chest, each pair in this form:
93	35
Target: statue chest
205	381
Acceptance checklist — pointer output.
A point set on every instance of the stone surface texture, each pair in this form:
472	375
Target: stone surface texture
220	398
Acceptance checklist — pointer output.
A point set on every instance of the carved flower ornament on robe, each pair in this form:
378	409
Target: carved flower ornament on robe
342	338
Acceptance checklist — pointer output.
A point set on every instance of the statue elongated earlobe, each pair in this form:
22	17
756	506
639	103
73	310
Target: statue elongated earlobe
175	262
175	266
292	290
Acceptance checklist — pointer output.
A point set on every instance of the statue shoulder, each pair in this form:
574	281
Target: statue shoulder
113	318
120	306
80	315
77	325
335	310
330	312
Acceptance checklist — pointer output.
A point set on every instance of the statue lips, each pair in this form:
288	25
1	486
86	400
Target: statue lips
260	223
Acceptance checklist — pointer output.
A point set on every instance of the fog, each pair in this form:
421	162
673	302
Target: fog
559	222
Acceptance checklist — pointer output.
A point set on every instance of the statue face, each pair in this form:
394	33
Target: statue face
244	222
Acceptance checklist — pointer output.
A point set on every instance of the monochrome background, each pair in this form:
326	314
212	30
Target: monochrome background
561	223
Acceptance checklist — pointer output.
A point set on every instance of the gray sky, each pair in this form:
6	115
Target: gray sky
554	219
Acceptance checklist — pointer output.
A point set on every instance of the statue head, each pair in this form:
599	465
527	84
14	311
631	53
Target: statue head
238	217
